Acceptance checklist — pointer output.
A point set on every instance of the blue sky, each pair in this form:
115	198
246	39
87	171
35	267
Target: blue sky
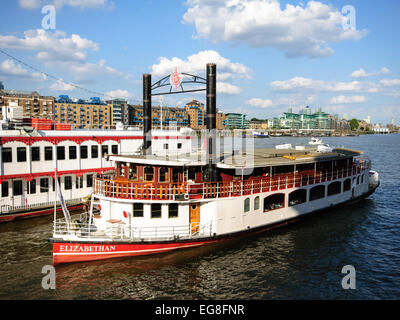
270	54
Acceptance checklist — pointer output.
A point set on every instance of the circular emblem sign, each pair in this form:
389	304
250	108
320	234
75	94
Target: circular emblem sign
175	78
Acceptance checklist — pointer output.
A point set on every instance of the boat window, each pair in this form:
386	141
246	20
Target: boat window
44	185
179	145
175	175
60	153
104	150
275	201
21	154
163	174
138	210
4	189
89	180
358	180
68	183
247	205
334	188
148	173
297	197
32	187
6	154
165	146
72	152
347	185
84	152
155	210
362	179
173	210
35	153
95	152
132	172
114	149
317	192
257	203
17	187
48	153
192	173
78	182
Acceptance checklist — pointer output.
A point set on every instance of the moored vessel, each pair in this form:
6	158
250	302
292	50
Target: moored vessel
29	158
156	204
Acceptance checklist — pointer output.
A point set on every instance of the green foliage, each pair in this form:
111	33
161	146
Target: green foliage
354	124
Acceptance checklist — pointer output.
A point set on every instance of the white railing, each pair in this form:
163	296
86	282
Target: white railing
119	231
7	208
132	190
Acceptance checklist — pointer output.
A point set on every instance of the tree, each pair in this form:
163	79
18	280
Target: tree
354	124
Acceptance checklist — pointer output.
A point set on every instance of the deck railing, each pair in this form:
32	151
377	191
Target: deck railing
205	190
120	231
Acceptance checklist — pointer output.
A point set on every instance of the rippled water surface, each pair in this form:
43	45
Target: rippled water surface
301	261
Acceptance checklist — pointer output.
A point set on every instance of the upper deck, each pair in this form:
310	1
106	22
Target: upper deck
249	159
172	178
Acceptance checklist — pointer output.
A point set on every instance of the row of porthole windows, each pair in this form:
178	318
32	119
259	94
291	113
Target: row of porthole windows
299	196
7	153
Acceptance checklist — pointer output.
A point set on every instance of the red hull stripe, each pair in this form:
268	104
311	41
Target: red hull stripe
79	252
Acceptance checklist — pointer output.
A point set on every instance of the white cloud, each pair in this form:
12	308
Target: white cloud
58	51
196	63
223	87
359	74
297	30
82	4
87	72
263	103
297	84
350	99
51	46
9	68
390	82
60	85
122	94
30	4
362	74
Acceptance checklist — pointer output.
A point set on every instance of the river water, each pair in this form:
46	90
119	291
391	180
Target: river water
300	261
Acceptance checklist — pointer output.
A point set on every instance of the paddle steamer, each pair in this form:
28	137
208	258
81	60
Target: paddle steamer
155	204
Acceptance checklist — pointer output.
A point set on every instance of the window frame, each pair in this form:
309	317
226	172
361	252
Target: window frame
21	154
6	154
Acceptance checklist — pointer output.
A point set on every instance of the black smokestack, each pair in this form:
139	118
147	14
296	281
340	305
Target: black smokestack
147	114
211	171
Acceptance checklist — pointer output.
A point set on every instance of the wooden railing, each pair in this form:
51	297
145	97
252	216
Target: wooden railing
126	189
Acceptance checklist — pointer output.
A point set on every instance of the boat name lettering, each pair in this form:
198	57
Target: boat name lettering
79	248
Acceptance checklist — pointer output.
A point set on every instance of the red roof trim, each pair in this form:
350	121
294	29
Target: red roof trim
31	176
79	139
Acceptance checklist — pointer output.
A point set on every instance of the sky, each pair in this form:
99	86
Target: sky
271	55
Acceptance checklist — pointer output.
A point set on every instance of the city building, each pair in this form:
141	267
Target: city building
92	113
33	104
305	120
197	117
236	121
258	125
273	123
172	117
221	119
119	111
